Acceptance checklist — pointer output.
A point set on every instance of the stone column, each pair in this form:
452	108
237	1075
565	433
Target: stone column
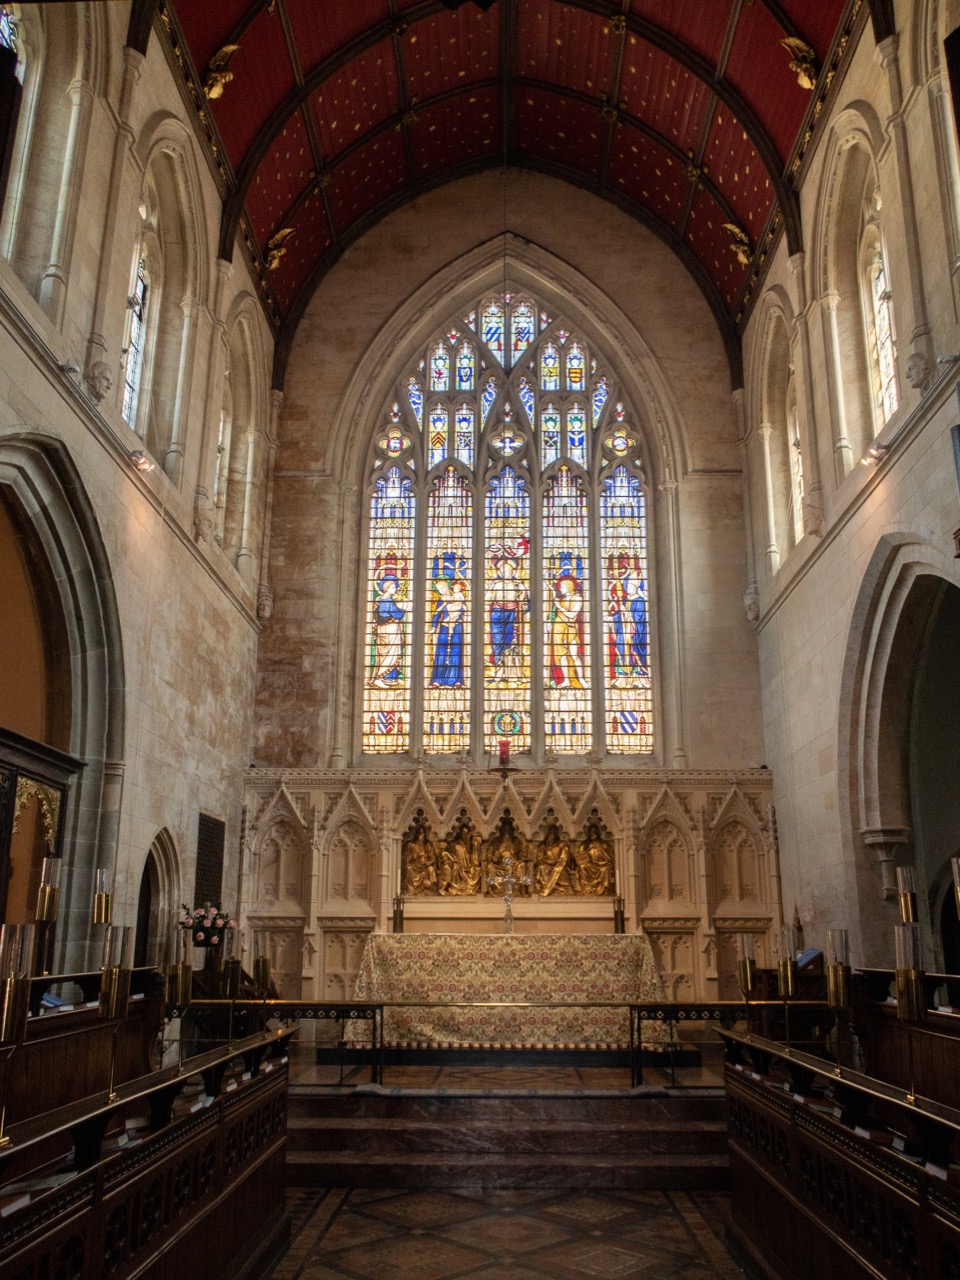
340	695
888	55
100	365
669	488
772	550
842	452
245	554
53	284
751	595
173	458
813	495
213	402
264	592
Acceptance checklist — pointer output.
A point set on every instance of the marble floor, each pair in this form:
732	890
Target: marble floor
364	1234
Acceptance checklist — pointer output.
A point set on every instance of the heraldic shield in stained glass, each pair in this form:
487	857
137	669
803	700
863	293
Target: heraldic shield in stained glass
507	515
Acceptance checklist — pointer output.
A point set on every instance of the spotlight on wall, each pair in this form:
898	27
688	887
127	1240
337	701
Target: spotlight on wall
947	359
141	461
68	367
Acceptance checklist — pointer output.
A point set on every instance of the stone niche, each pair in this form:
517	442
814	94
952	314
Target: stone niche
692	854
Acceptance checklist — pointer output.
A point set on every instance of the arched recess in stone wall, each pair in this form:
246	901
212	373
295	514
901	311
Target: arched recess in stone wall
663	446
173	242
903	581
281	866
65	52
934	20
769	459
848	194
45	493
162	885
243	421
348	860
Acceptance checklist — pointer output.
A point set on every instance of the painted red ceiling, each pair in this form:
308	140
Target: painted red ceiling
684	112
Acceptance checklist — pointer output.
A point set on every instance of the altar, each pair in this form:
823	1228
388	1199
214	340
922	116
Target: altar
571	969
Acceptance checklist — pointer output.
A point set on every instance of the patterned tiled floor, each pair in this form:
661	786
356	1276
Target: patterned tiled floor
344	1234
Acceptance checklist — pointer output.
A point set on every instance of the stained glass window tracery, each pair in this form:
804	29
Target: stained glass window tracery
531	590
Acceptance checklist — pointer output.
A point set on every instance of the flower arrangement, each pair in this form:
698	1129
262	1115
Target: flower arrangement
207	924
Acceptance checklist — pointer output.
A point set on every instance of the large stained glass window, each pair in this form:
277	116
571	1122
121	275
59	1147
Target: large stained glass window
507	586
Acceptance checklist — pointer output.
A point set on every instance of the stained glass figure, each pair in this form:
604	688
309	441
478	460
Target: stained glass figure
491	329
884	345
523	330
487	397
386	698
465	435
550	368
446	705
440	368
600	393
472	320
576	368
549	435
527	398
577	435
619	442
439	427
415	396
8	28
506	645
466	364
545	321
623	547
566	702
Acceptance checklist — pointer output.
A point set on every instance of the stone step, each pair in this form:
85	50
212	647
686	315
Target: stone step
687	1172
601	1108
397	1136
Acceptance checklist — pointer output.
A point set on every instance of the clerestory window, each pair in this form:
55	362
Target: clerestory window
507	588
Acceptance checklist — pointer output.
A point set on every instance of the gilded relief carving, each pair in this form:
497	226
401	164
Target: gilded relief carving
464	864
48	801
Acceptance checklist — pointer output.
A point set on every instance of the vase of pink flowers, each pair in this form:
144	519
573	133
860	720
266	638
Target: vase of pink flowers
207	924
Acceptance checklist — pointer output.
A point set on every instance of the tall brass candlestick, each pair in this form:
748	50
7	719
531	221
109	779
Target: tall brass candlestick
907	895
746	962
838	968
102	898
787	964
911	996
48	895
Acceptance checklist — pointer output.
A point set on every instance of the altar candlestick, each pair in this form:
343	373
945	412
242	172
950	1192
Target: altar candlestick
504	753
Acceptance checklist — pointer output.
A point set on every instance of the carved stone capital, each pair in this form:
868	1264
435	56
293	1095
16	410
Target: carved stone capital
885	843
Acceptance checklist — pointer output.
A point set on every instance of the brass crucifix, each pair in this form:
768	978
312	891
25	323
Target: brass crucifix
508	881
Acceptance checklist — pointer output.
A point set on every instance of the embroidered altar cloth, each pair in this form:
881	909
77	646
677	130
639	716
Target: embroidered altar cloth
566	968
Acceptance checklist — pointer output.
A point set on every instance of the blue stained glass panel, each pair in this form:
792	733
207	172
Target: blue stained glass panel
600	394
415	396
577	435
466	364
487	397
527	398
446	702
491	329
523	329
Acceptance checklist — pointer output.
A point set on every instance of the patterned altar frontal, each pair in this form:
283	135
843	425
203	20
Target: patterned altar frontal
509	967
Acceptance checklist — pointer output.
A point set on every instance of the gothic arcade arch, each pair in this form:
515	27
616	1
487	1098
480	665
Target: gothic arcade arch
41	483
903	580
